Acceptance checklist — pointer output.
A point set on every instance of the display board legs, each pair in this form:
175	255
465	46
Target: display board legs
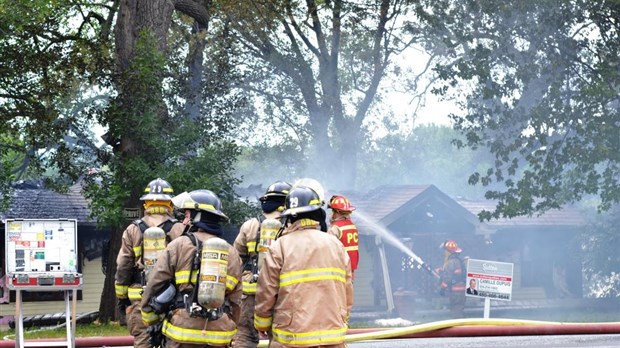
70	322
487	307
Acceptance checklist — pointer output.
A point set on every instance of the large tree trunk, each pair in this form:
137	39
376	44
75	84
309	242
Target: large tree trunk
107	304
134	17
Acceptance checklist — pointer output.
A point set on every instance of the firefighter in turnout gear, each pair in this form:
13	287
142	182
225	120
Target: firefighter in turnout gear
247	244
130	276
304	293
343	228
452	278
193	295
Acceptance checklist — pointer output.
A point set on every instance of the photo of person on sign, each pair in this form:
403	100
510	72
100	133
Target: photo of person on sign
472	287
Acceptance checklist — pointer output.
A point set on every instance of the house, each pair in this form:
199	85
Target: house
401	225
31	201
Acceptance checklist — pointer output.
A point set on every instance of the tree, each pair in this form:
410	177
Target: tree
151	133
54	70
599	247
325	60
539	82
43	110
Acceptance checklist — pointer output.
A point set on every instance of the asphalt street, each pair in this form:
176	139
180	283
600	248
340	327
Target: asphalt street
547	341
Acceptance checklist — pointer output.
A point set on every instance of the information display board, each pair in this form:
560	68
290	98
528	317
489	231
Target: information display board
41	253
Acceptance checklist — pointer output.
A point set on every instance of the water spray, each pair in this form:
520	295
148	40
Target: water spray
388	236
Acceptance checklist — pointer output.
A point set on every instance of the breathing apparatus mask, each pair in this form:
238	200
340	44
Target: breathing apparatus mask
271	204
205	221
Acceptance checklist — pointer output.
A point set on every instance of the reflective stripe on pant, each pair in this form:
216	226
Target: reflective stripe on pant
247	335
137	328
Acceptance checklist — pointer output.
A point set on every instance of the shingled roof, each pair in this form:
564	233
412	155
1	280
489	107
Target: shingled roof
567	216
40	203
386	203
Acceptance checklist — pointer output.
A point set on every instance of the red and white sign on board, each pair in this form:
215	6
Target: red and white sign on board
489	279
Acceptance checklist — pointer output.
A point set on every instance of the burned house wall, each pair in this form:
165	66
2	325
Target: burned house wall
546	257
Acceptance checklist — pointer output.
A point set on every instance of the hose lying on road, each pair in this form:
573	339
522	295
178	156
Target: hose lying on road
446	328
478	327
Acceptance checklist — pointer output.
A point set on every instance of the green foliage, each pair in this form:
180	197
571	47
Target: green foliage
56	73
601	258
538	82
43	82
189	153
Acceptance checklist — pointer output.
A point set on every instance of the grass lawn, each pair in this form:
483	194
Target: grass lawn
82	330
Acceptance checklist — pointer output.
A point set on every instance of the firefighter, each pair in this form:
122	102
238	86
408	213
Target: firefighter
318	188
452	278
190	275
304	293
246	243
343	228
130	274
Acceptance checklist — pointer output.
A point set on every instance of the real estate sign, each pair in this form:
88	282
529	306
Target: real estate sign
489	279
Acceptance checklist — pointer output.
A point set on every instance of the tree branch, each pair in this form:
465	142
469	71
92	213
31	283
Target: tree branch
197	11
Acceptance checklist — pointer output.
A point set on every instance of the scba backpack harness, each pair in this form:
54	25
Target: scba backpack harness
208	297
154	241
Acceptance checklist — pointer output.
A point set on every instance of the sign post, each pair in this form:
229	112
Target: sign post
41	255
489	280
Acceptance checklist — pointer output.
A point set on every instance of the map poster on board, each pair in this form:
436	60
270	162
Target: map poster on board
41	246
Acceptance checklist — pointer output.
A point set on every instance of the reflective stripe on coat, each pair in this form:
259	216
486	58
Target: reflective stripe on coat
304	291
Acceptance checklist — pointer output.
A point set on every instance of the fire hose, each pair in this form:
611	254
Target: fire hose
469	327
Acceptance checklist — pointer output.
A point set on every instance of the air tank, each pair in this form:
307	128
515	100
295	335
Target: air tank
153	244
268	230
213	271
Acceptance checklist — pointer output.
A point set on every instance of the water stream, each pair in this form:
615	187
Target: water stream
387	236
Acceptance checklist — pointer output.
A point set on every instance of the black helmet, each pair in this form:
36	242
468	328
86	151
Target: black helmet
158	190
200	201
301	199
277	189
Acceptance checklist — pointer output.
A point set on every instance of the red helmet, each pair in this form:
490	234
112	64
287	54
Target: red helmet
341	203
451	246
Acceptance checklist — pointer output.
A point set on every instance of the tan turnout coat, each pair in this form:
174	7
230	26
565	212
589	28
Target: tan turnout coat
175	265
305	294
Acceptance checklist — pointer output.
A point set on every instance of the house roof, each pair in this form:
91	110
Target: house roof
567	216
40	203
387	203
384	200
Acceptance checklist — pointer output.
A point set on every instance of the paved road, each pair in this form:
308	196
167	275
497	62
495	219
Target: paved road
546	341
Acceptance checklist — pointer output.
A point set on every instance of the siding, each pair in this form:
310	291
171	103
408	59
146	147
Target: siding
363	295
91	295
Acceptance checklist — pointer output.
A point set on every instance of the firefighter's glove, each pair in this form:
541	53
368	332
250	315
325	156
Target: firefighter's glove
156	337
442	292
